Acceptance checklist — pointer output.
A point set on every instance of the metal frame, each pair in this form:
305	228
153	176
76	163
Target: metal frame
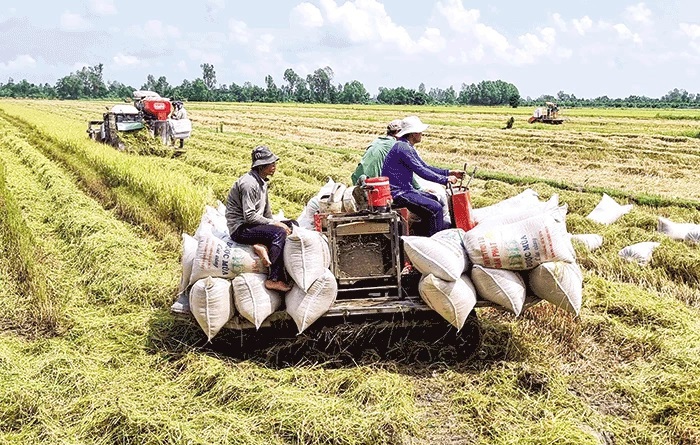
387	224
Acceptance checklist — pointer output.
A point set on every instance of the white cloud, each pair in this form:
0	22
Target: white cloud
625	34
459	18
583	25
125	60
559	22
639	13
238	31
306	15
103	7
19	63
73	22
264	43
692	30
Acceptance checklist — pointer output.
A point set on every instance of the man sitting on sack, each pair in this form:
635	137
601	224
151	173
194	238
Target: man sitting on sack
401	163
249	217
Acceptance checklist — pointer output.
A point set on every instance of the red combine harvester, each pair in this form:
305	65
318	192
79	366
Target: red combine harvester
149	110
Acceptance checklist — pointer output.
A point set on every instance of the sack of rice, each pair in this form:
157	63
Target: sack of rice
522	200
592	241
212	222
514	214
211	304
639	252
559	283
608	210
307	307
189	251
677	231
224	258
306	256
442	254
253	300
453	300
522	245
506	288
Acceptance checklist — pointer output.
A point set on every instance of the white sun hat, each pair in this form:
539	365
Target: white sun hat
411	124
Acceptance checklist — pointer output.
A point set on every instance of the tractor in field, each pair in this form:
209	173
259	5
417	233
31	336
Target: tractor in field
149	111
547	115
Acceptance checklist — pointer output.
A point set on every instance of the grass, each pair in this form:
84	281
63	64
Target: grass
100	229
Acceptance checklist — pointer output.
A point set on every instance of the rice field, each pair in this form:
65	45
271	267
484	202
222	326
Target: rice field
89	266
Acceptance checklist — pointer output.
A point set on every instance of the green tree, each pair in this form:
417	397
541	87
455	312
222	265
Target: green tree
353	93
208	75
320	85
272	93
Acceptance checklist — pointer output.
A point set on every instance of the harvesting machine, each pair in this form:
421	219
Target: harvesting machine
150	111
377	301
548	115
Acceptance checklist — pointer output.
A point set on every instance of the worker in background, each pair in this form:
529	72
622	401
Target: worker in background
401	163
179	111
249	218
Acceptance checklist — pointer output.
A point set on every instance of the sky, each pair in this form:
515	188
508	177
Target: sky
588	48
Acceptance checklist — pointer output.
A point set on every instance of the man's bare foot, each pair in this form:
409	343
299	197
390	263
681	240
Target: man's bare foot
261	251
277	285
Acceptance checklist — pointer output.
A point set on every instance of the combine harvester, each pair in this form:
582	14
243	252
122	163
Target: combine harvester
388	286
548	115
149	111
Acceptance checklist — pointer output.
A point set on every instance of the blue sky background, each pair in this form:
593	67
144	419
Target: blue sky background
587	48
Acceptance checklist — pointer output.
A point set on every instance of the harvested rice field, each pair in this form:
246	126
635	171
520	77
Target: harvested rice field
90	245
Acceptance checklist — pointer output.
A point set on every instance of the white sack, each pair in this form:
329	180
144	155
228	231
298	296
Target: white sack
453	300
212	222
221	208
307	307
211	304
592	241
253	300
693	236
640	252
306	217
677	231
558	283
608	210
224	258
442	254
521	245
306	256
189	251
333	201
522	200
440	193
180	128
510	215
506	288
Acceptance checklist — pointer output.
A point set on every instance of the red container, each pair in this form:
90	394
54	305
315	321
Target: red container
158	107
460	205
378	192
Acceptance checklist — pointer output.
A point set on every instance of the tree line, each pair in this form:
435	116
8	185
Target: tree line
318	87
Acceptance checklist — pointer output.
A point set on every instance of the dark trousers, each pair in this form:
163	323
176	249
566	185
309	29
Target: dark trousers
272	237
424	205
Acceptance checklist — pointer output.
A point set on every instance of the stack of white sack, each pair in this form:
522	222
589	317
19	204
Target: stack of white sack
522	243
213	266
307	260
444	286
518	243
